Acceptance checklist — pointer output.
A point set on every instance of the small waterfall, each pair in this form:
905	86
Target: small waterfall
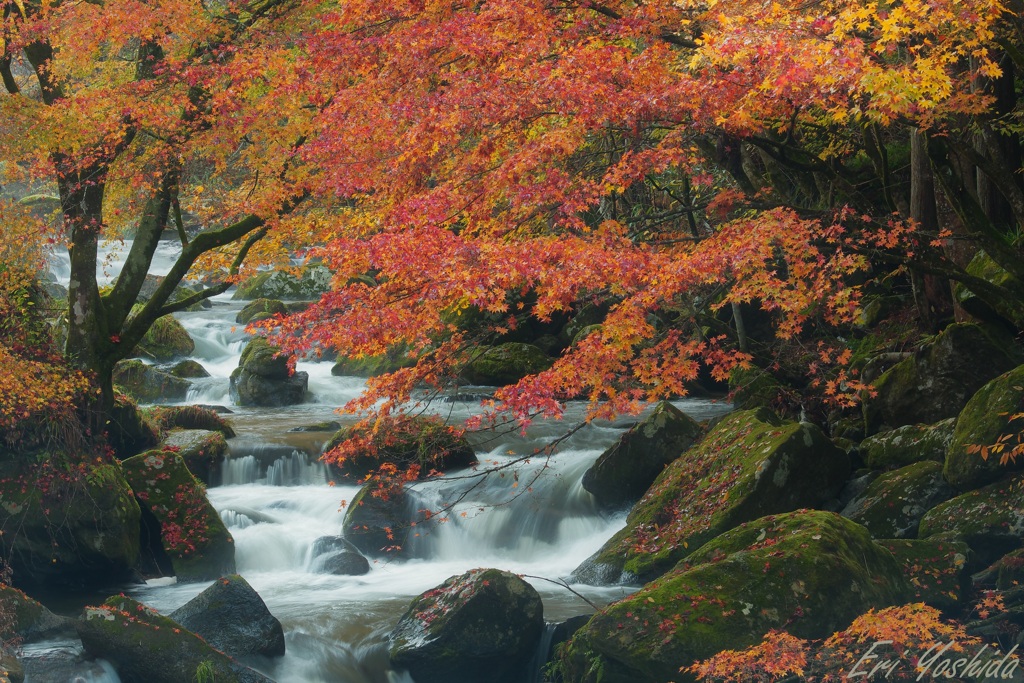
243	470
540	656
297	470
272	464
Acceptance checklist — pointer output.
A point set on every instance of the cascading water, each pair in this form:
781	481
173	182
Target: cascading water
534	519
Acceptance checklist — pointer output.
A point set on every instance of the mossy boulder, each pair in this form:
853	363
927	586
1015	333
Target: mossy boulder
147	384
128	431
506	364
202	450
907	445
985	421
1010	570
423	442
373	366
807	572
262	377
232	617
622	474
479	627
752	463
938	380
191	417
754	387
67	525
166	340
32	621
937	571
192	533
277	284
984	267
146	647
260	309
379	522
990	519
187	369
893	504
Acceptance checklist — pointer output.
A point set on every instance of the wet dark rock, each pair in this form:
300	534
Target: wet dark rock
232	617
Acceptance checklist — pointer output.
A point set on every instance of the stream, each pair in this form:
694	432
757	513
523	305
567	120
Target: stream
275	499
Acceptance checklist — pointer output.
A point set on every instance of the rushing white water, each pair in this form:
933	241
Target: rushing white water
533	519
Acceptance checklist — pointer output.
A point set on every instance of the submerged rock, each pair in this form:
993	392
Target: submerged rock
807	572
986	421
147	647
232	617
625	471
750	464
480	627
893	504
192	533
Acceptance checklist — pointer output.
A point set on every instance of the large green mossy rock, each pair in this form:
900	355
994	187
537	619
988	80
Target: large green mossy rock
374	366
31	621
893	504
262	377
506	364
260	309
749	465
201	449
984	267
193	535
938	380
937	571
807	572
622	474
147	647
990	519
67	526
128	431
423	442
314	281
479	627
985	421
147	384
190	417
166	340
753	387
907	445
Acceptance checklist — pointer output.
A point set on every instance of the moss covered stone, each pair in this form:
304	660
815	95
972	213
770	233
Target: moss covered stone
187	369
31	621
907	445
423	442
506	364
984	421
260	309
396	358
1010	570
67	525
937	571
191	417
310	284
938	380
128	430
201	449
147	384
984	267
147	647
893	504
625	471
750	464
753	387
166	340
379	523
262	377
990	519
808	572
193	535
479	627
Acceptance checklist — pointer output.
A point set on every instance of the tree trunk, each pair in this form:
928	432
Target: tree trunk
931	293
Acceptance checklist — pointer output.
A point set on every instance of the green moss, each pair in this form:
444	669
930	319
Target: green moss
310	284
908	444
166	340
193	535
892	506
750	464
990	520
507	364
260	309
396	358
809	572
147	384
937	571
260	357
985	421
